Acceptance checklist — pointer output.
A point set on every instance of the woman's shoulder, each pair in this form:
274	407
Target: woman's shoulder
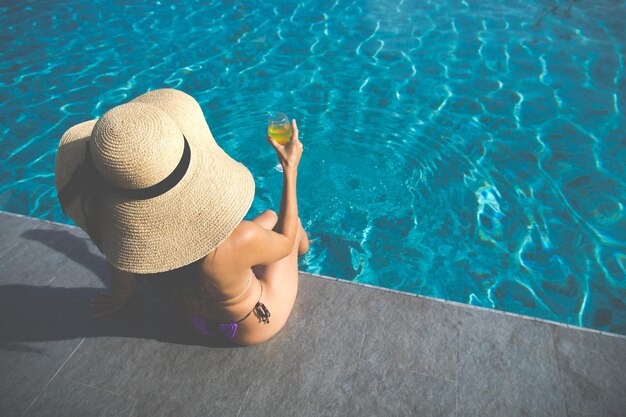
249	244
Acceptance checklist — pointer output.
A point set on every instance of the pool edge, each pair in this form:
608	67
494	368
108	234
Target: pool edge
392	291
469	306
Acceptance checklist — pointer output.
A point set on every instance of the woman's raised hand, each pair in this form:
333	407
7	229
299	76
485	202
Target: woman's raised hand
288	155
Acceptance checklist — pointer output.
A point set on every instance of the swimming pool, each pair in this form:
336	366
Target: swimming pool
465	150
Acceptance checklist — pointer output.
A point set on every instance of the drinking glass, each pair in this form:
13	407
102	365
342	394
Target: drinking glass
279	128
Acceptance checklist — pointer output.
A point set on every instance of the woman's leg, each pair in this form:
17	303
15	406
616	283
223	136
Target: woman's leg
280	287
303	244
268	220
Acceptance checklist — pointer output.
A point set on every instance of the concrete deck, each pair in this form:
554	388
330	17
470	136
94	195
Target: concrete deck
347	350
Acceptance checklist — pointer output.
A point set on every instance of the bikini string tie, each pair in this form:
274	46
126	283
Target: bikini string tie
261	311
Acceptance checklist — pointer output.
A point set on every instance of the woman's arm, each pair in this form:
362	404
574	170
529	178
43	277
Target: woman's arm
122	288
266	246
287	224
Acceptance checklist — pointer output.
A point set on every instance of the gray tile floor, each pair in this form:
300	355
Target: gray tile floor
347	350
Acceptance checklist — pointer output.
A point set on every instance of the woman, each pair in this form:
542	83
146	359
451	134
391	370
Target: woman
154	191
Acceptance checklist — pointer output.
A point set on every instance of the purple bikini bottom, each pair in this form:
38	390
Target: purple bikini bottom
228	330
213	329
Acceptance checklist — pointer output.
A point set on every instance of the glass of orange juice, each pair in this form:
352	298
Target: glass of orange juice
279	128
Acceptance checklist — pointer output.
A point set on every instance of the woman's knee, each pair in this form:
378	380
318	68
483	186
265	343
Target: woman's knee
302	240
269	215
300	227
267	219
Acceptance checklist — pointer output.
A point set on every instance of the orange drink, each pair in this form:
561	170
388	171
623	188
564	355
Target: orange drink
280	133
279	128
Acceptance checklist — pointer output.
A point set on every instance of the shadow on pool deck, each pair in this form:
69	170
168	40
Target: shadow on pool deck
148	316
347	350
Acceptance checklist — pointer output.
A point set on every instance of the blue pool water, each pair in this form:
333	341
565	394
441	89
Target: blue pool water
468	150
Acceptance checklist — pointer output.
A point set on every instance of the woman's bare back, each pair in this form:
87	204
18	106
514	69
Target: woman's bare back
237	287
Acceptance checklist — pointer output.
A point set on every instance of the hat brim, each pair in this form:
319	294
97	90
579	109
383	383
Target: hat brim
185	223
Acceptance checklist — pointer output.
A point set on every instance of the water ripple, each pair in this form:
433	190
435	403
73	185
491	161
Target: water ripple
465	150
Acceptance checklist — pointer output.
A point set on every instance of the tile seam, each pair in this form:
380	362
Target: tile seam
422	373
357	365
53	376
356	372
134	399
245	395
558	368
361	347
243	401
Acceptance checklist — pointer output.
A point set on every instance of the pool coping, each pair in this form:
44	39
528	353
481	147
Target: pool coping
472	307
358	349
404	293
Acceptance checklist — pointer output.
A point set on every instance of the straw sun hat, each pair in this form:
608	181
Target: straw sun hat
149	184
